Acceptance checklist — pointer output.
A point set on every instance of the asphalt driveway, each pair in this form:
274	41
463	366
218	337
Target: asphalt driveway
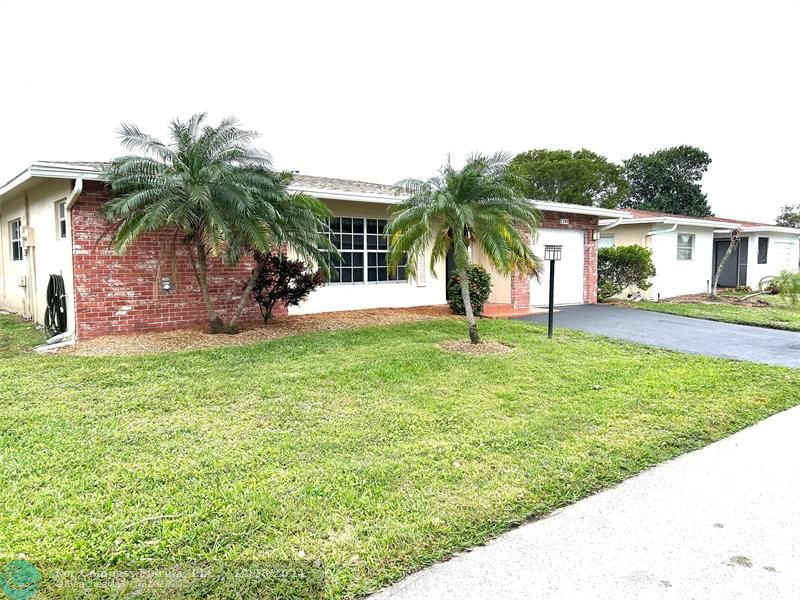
697	336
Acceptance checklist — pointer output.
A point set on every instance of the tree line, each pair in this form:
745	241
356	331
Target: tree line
667	180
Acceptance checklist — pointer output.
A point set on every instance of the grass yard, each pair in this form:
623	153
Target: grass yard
332	464
780	314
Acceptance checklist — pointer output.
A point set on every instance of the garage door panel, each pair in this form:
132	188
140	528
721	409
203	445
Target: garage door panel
569	270
783	255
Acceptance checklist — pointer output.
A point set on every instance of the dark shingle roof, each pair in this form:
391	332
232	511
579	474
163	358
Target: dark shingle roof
344	185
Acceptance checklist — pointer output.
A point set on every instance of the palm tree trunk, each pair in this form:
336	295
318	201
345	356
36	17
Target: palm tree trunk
214	322
472	326
246	294
728	252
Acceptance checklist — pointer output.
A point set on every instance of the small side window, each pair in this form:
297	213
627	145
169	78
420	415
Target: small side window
15	234
606	241
763	249
685	246
61	219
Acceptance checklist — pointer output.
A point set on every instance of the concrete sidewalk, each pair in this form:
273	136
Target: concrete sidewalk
720	523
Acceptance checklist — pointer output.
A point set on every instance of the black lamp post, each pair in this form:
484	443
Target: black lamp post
552	253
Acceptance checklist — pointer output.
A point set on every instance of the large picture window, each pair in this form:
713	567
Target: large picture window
363	246
15	234
685	246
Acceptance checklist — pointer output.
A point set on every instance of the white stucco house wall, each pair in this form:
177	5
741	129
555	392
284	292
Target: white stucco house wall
687	250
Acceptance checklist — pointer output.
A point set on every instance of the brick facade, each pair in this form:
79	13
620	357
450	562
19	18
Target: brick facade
122	294
520	285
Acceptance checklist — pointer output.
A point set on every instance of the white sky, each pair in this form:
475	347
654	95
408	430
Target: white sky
381	91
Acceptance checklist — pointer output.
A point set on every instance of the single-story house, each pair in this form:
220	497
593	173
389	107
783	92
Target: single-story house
51	223
688	250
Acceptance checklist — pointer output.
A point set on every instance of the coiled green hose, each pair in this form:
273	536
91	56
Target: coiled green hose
55	317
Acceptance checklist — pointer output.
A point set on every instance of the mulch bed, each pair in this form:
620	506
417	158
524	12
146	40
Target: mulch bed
486	347
195	339
720	299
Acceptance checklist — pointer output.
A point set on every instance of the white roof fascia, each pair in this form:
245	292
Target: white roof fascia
579	209
15	182
44	170
680	222
65	171
771	229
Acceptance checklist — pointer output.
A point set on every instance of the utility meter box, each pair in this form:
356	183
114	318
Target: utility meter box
28	236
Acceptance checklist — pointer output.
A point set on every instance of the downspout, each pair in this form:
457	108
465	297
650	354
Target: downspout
612	224
70	332
76	191
30	267
658	232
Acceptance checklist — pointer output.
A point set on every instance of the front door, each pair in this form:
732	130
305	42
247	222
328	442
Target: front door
734	273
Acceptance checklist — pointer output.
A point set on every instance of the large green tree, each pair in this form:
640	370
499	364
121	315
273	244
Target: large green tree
215	191
581	177
668	181
476	205
789	216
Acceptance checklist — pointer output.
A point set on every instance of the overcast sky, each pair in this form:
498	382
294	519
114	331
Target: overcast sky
381	91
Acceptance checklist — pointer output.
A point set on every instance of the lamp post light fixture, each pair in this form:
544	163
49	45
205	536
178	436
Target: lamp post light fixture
552	253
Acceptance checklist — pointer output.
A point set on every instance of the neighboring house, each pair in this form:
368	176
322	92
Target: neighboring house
51	223
688	250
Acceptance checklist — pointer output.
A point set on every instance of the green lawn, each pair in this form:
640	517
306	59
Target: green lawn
333	464
779	315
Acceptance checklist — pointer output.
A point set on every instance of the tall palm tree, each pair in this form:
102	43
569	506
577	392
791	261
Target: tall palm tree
212	187
297	222
476	205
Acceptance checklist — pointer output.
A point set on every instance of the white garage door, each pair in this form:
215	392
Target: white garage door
569	270
783	256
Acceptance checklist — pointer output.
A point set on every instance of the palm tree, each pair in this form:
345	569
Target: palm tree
475	205
297	222
210	186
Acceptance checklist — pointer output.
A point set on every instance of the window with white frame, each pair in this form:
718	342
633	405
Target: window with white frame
61	219
763	250
15	234
363	246
685	246
606	241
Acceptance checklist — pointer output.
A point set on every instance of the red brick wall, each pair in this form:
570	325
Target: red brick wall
520	285
122	294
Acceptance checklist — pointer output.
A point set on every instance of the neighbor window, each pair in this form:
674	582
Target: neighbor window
15	230
61	219
363	246
606	241
685	246
763	247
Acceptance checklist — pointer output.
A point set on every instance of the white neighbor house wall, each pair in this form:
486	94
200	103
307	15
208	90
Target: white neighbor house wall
678	277
426	290
775	262
46	253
